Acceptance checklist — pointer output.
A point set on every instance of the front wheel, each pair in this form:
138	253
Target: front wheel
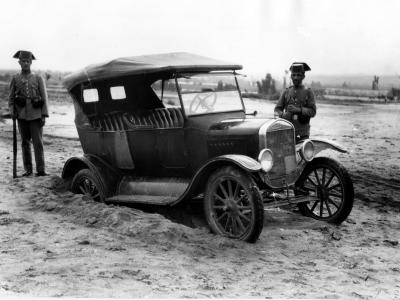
233	205
330	183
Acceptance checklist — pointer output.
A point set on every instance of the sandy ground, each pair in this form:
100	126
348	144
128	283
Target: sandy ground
54	243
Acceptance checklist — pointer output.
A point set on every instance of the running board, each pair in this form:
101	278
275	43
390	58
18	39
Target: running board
141	199
165	187
293	200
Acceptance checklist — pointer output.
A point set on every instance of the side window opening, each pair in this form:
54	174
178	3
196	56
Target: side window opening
117	93
90	95
166	92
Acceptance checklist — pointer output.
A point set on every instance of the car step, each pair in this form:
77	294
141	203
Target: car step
164	187
141	199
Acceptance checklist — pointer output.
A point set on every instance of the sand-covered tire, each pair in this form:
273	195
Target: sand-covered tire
233	205
329	181
85	182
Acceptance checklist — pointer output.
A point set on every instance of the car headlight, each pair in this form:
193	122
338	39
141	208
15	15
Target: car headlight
307	150
266	160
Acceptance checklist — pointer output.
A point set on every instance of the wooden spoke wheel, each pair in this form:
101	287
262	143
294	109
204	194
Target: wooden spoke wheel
233	205
330	183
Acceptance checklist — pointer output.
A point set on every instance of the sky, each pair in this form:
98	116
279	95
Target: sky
332	36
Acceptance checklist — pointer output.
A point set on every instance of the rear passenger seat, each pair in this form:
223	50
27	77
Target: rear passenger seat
156	118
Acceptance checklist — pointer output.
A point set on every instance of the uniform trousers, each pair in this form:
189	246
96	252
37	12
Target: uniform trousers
31	131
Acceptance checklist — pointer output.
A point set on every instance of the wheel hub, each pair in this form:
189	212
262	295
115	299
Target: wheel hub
232	207
322	193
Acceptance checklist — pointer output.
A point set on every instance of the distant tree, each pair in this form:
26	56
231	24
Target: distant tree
259	87
273	87
268	83
5	77
375	83
169	86
267	86
229	87
316	85
220	86
47	75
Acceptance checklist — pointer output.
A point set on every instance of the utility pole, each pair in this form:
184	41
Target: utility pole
284	79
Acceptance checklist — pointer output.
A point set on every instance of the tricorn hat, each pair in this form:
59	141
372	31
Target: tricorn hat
22	54
299	67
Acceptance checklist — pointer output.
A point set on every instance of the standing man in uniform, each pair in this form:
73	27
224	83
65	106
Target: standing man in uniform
28	104
297	104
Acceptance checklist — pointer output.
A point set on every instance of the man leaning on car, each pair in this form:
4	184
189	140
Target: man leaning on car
297	104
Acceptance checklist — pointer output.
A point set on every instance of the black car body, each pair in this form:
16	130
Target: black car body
162	129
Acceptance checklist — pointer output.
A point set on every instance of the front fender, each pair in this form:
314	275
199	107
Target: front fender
245	162
320	145
199	180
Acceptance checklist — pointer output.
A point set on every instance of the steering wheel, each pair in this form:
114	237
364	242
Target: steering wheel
204	100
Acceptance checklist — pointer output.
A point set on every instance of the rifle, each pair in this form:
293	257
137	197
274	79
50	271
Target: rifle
14	140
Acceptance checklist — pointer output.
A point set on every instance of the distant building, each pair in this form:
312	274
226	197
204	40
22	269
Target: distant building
394	94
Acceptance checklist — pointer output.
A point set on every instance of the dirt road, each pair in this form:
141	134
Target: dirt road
54	243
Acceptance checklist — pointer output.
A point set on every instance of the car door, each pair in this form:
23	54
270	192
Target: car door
171	146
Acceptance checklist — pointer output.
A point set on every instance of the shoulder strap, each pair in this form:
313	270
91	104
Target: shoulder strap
38	77
285	96
17	89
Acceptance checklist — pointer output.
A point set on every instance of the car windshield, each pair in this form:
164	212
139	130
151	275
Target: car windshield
209	93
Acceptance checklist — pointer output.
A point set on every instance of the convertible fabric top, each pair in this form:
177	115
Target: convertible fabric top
145	64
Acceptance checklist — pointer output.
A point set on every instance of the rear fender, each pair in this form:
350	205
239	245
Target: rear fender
105	173
199	181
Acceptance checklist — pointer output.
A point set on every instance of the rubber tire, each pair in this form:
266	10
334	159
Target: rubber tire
251	188
86	173
347	186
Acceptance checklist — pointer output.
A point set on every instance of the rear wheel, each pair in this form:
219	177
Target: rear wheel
329	181
233	205
86	183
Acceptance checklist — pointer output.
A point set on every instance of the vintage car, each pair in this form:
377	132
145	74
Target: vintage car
168	128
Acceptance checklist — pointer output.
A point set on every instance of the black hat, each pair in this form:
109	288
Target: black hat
22	54
299	67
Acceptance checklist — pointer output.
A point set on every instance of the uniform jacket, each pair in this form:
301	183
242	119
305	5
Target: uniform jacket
28	86
301	97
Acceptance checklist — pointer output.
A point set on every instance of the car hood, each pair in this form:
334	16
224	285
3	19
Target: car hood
239	125
238	136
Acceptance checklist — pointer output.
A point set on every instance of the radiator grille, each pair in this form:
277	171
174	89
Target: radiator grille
284	170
